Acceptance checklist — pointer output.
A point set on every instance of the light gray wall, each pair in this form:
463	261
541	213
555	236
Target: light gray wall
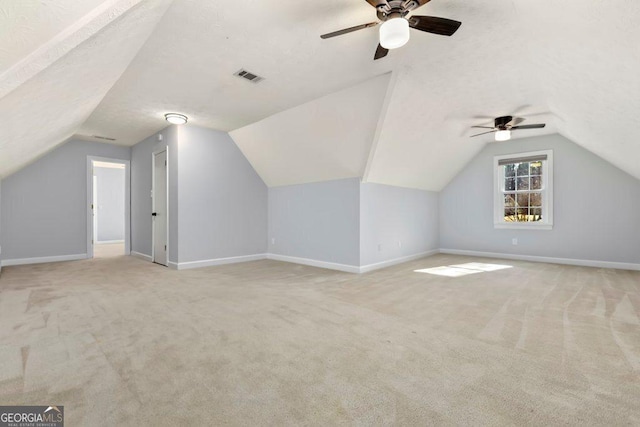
171	139
222	200
596	207
141	166
318	221
44	206
141	229
111	199
396	222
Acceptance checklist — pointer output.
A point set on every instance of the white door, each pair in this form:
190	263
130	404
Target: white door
159	207
94	210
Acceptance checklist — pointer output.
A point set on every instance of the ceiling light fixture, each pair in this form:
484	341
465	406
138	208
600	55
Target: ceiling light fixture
175	118
394	33
503	135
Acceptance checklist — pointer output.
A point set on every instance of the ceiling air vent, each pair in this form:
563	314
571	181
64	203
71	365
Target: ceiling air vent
106	138
253	78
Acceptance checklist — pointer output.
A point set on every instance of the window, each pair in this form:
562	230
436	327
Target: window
524	190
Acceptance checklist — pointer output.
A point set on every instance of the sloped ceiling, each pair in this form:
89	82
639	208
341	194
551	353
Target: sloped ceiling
588	71
572	64
48	93
569	64
445	85
27	26
328	138
188	64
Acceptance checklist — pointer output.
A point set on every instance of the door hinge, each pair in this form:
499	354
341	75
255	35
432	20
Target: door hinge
165	163
165	248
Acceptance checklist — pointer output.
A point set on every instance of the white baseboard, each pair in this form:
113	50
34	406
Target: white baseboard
550	260
108	242
389	263
315	263
141	256
217	261
42	260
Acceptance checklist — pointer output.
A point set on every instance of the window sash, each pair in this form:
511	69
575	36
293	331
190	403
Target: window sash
525	159
542	188
545	190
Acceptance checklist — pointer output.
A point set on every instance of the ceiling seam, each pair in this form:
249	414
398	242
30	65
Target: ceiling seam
62	43
380	125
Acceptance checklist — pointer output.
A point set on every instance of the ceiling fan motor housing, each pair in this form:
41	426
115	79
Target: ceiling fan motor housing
392	9
393	13
395	20
502	122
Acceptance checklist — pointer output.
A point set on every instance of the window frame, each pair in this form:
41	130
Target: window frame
547	192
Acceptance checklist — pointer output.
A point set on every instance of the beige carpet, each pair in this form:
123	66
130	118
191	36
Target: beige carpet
119	341
108	250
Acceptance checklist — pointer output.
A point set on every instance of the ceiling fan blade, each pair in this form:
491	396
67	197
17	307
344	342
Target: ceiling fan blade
483	133
414	4
349	30
516	121
381	52
483	127
521	110
378	3
435	25
537	126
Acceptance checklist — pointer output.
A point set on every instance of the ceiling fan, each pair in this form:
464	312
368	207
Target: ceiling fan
394	31
504	125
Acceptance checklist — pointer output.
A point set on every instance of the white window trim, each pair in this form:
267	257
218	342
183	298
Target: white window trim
547	193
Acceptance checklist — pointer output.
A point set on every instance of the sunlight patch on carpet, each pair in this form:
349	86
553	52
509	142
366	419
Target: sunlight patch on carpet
459	270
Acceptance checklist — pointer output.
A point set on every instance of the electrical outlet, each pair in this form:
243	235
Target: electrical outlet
399	244
273	241
379	247
514	241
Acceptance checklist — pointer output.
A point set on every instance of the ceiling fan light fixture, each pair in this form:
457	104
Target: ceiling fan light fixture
394	33
503	135
175	118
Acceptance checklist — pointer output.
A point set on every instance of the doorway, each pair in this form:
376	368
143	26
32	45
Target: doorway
159	208
108	219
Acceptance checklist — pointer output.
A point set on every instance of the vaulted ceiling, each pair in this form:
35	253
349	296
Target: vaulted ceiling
325	110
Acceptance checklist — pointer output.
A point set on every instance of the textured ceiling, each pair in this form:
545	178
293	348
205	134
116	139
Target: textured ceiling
26	25
328	138
572	64
45	109
443	84
188	64
588	69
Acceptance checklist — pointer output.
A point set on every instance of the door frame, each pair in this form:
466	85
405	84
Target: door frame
153	184
94	202
127	202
